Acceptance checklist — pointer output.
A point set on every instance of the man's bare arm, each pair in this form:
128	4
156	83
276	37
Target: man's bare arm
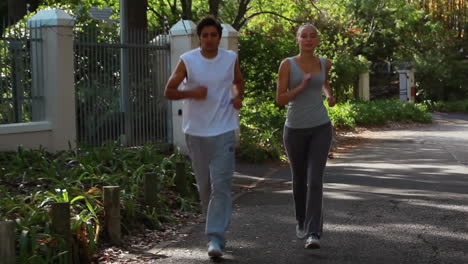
171	91
239	85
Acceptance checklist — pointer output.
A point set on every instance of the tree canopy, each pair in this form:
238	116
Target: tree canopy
431	34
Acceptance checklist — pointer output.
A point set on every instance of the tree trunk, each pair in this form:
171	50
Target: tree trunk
214	7
136	63
136	14
16	10
239	20
186	9
11	11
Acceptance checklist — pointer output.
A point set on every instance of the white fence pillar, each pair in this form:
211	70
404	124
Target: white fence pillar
183	38
56	50
364	86
229	38
407	88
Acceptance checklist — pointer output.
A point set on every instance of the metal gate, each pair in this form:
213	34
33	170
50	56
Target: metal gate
384	79
130	109
21	89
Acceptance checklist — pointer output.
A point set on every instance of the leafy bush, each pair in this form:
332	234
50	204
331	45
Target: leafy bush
450	106
261	51
32	179
344	76
440	76
261	130
262	122
343	115
263	47
377	112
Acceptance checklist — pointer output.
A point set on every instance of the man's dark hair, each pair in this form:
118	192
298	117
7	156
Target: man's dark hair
209	21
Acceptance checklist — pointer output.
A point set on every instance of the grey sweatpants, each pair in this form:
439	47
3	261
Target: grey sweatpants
307	150
213	163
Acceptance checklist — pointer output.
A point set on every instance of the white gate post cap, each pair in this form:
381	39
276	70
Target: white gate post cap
229	31
183	27
51	17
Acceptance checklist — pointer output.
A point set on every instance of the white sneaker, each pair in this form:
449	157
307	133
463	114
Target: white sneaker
300	232
313	241
214	250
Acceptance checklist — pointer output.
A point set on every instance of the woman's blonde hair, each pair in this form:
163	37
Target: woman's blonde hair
305	25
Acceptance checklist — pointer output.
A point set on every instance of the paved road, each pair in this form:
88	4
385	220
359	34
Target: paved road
401	198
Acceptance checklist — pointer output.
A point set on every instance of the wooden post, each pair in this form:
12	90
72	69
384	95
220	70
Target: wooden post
150	189
180	180
60	215
112	213
7	242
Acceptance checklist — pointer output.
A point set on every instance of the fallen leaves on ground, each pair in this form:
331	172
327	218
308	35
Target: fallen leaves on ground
344	139
136	248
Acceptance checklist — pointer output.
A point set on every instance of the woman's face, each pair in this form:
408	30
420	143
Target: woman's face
307	38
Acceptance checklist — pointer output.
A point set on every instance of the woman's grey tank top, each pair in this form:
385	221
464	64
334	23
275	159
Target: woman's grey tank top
306	109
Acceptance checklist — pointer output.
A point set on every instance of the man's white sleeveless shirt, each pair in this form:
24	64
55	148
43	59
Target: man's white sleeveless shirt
215	115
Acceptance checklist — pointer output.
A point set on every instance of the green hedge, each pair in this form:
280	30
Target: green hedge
262	122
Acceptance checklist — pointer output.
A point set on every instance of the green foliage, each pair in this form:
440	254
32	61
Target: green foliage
343	115
261	130
32	179
379	112
262	122
344	76
15	76
417	36
265	42
450	106
440	76
262	48
35	243
355	34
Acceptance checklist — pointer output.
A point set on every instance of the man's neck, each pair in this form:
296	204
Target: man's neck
209	54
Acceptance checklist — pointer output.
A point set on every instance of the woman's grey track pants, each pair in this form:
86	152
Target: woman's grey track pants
307	150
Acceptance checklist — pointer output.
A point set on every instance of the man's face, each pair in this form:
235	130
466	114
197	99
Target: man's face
209	38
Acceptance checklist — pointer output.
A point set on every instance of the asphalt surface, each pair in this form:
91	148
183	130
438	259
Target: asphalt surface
400	198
